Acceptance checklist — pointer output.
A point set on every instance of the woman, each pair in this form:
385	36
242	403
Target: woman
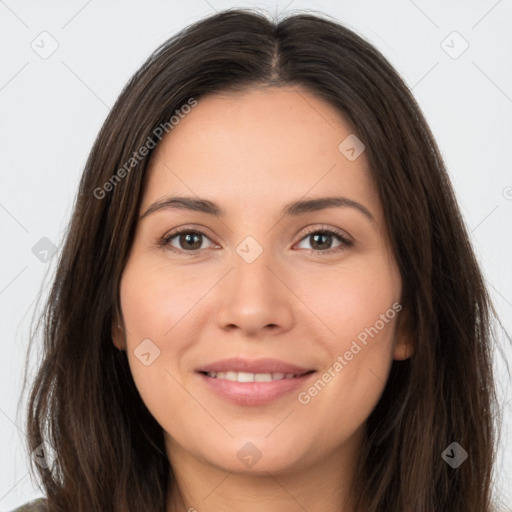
267	299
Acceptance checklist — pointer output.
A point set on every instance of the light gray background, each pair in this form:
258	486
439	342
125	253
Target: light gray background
52	109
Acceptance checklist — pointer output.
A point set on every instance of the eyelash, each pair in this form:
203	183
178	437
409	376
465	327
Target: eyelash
346	243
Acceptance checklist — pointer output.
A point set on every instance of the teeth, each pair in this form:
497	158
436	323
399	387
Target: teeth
250	377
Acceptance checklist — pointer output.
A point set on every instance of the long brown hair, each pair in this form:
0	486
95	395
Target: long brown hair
109	450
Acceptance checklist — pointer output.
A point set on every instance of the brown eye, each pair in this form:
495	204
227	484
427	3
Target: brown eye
190	240
185	240
321	241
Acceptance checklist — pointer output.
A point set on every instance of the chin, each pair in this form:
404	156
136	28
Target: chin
256	455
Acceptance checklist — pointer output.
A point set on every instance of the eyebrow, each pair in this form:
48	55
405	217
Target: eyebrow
293	209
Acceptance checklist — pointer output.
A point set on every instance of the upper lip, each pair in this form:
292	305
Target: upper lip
238	364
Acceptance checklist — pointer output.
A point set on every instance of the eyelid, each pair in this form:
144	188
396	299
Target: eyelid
315	228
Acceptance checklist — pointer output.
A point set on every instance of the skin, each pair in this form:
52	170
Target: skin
251	153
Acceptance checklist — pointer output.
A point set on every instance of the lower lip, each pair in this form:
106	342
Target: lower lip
254	393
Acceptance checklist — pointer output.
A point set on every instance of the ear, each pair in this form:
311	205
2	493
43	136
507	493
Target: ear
118	335
404	336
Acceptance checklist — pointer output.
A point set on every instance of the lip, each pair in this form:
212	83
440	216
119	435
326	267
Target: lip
253	393
264	365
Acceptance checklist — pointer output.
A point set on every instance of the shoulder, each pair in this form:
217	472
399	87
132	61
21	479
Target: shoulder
38	505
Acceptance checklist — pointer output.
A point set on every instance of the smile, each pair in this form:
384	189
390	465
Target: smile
250	377
253	389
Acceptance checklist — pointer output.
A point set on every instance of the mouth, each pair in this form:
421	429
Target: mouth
253	369
253	389
251	383
234	376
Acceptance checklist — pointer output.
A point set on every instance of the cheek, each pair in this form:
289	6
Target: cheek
155	300
163	315
360	307
352	299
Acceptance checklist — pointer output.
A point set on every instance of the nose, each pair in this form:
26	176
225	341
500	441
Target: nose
254	298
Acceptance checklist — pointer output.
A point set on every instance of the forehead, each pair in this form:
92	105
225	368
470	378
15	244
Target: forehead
262	146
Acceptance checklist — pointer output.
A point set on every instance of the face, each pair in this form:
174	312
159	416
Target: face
258	290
